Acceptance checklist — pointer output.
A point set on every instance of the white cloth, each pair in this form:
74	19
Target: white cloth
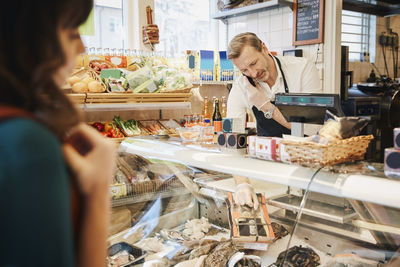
301	76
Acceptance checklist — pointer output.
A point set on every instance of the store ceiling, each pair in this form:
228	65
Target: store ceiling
382	8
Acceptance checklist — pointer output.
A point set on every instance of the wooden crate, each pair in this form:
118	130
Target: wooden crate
136	98
77	98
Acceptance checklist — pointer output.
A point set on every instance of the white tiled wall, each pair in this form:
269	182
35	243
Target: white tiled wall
275	28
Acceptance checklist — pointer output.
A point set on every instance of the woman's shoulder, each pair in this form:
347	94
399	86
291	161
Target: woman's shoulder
21	134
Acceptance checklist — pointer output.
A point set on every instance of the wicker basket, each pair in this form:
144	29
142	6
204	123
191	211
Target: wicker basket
109	64
319	155
82	72
181	90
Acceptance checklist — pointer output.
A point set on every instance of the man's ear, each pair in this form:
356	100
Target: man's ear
264	48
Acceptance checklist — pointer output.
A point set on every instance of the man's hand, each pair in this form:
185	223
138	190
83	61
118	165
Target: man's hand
245	195
256	95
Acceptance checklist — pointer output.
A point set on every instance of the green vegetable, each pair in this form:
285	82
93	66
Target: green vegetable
129	127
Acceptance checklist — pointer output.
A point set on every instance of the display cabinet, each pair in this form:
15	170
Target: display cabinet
319	217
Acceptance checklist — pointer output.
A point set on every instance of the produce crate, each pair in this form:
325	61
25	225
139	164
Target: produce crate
129	97
145	126
173	124
312	154
117	140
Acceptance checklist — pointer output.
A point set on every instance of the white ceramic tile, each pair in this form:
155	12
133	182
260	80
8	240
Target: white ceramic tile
264	24
287	39
321	72
264	36
264	14
267	39
276	39
252	22
276	11
231	31
286	22
286	10
276	23
241	27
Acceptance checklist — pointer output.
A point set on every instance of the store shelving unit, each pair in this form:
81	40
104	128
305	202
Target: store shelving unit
271	4
134	106
353	186
212	82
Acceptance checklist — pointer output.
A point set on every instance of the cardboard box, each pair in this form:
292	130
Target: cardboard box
207	65
251	145
233	125
266	148
226	69
249	225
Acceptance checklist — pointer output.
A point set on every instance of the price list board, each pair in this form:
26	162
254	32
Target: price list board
308	22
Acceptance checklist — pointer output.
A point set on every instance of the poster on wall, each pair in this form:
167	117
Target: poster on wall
308	20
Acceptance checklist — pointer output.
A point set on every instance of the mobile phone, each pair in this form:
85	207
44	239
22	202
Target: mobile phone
251	81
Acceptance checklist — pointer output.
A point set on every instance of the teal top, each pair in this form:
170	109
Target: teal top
35	220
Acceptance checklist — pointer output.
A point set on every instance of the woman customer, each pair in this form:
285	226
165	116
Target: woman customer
40	135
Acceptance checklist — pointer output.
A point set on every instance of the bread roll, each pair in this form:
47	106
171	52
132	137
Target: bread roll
95	87
73	80
80	87
87	80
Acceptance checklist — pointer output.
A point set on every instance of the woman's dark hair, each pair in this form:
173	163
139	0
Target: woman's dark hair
31	53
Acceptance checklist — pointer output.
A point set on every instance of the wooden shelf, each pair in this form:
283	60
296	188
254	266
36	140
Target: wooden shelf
134	106
212	82
271	4
131	101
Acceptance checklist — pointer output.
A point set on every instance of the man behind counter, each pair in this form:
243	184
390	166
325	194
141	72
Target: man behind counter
269	75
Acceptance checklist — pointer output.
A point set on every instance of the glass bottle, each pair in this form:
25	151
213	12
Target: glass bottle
224	107
217	118
205	112
211	106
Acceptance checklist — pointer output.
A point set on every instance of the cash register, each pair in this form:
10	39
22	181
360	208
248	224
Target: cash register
299	108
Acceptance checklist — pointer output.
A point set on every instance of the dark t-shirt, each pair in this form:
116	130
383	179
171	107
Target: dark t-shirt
35	220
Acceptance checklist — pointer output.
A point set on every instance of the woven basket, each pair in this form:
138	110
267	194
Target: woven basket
109	64
82	72
182	90
320	155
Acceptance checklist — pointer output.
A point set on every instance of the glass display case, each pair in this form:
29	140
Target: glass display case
172	206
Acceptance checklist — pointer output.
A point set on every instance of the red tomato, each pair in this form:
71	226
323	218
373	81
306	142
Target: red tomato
106	134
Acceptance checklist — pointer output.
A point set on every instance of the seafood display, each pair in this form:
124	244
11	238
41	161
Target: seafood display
196	228
298	256
279	230
123	254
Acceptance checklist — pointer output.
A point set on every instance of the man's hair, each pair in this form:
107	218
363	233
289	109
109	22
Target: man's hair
237	44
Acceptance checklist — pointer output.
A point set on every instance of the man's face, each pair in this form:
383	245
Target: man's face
254	63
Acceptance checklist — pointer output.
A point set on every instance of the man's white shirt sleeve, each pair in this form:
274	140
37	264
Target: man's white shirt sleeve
237	102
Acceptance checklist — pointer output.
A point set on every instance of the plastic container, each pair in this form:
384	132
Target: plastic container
207	134
189	134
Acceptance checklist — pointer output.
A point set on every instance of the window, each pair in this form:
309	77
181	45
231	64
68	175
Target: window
108	25
183	25
358	33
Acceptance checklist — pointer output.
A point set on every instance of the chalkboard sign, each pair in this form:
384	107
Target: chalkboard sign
308	22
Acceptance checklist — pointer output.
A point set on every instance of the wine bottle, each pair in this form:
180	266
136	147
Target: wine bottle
217	118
